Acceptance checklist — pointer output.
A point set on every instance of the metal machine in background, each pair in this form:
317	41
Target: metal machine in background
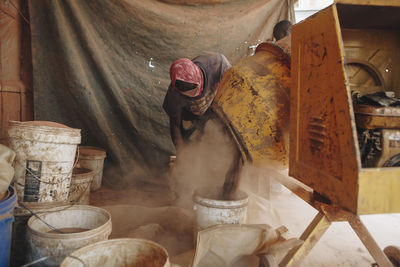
346	50
349	48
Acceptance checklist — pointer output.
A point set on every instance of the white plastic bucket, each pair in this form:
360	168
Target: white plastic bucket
211	210
19	245
93	158
79	190
45	153
83	225
121	252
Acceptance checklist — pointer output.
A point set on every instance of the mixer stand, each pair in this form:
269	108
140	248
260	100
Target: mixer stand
327	215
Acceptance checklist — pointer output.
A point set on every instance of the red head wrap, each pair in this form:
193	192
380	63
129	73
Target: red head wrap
185	70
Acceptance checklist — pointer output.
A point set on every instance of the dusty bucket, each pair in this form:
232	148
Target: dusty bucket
45	153
81	225
210	209
79	190
19	244
7	205
93	158
122	252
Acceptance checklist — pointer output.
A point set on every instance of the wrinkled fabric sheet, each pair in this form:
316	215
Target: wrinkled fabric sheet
102	66
225	245
7	157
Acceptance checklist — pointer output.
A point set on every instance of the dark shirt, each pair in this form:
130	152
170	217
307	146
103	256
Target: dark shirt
213	66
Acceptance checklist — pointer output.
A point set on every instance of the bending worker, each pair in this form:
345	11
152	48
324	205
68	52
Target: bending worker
194	84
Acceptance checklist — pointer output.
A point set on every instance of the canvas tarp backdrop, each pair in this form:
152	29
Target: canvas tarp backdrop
103	67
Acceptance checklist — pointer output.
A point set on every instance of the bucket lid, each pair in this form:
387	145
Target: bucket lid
44	131
91	152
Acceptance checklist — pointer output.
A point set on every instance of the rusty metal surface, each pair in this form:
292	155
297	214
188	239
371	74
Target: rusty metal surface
324	152
324	146
253	100
370	2
370	117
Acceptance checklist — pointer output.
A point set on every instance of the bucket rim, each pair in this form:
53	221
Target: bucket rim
40	133
241	202
97	152
9	202
102	228
77	252
34	123
80	177
40	207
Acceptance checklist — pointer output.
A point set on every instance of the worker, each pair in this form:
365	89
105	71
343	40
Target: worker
282	35
194	84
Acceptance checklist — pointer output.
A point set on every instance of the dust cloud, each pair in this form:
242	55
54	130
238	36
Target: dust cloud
202	163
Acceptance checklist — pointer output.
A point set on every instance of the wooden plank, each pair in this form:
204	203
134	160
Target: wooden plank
310	236
368	241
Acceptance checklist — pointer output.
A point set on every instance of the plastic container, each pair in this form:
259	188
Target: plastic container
45	153
19	243
210	209
122	252
93	158
7	206
79	190
82	225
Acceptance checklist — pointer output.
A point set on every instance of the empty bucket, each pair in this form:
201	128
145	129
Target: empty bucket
210	209
79	190
80	226
7	205
122	252
93	158
45	153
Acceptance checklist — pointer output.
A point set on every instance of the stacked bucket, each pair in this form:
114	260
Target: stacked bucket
48	186
53	178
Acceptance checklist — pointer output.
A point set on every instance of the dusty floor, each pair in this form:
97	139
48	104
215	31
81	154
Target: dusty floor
145	211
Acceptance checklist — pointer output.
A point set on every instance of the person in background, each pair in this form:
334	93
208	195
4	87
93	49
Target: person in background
194	84
282	35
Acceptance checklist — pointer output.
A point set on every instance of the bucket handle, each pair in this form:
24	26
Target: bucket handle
38	217
37	178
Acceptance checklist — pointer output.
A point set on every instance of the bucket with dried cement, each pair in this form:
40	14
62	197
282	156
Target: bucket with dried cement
210	209
19	244
122	252
93	158
45	153
79	190
80	225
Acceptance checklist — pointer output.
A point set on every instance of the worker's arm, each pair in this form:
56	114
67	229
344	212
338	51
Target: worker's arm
174	126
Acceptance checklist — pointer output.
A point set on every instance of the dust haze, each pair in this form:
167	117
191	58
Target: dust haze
202	163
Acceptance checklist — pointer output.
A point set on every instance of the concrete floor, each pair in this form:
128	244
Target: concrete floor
338	247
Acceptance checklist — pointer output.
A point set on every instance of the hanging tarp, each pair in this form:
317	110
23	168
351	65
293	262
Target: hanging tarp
102	66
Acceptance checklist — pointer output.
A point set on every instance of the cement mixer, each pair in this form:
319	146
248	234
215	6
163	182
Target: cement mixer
253	102
324	160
